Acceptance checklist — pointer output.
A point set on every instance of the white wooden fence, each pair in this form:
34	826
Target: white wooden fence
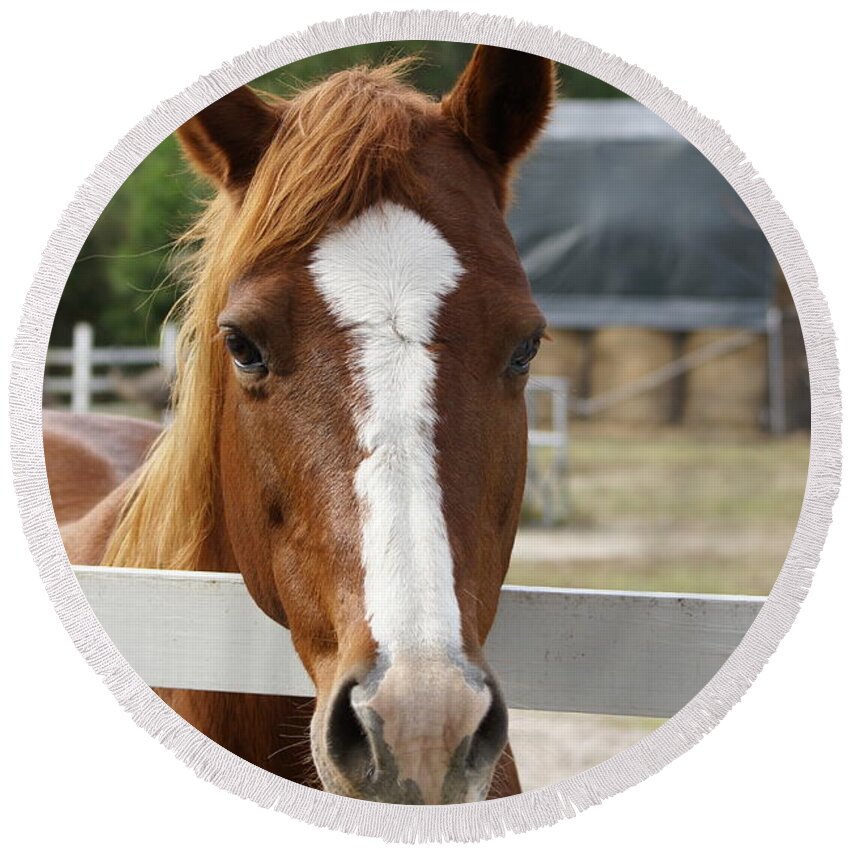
602	652
546	498
85	360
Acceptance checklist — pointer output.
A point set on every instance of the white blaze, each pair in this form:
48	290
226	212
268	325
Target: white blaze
384	277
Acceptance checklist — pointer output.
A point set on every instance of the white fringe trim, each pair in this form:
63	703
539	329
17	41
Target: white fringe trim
470	821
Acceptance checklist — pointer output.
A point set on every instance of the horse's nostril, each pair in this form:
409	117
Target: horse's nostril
492	734
347	740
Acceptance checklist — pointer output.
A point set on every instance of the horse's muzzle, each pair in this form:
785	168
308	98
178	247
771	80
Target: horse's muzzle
418	730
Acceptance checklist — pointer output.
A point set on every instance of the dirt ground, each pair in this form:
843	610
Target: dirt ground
670	511
549	746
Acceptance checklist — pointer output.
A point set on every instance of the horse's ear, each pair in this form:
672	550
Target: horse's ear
500	104
226	140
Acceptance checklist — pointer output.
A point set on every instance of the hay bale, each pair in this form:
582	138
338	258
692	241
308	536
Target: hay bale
621	355
728	392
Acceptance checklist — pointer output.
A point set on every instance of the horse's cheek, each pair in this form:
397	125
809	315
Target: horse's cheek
257	565
247	518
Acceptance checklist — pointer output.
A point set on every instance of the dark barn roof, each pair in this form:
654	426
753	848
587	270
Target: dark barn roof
619	220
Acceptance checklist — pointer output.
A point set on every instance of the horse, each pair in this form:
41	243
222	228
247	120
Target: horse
349	424
88	456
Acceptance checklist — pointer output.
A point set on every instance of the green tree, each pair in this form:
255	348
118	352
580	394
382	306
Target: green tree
120	281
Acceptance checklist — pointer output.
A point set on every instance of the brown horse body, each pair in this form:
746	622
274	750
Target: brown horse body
350	429
87	457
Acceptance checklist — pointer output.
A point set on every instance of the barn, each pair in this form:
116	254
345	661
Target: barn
665	300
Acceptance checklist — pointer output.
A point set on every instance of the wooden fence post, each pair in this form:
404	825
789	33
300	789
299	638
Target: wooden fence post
168	350
775	372
81	367
168	363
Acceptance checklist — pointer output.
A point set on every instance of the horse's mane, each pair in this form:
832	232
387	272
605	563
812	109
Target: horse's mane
341	146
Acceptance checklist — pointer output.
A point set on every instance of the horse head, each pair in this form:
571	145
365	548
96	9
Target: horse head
357	338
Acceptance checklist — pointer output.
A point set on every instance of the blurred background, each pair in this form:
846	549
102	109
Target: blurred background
668	411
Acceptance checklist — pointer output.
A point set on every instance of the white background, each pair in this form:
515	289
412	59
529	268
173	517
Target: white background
77	76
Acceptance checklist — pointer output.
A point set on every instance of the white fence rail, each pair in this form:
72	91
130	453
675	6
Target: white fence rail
602	652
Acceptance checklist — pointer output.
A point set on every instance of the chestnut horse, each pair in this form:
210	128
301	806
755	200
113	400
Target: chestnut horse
349	429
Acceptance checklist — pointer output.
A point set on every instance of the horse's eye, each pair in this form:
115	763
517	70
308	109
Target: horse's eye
246	356
523	355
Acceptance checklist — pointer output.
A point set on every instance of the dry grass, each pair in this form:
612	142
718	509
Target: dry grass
674	510
550	746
